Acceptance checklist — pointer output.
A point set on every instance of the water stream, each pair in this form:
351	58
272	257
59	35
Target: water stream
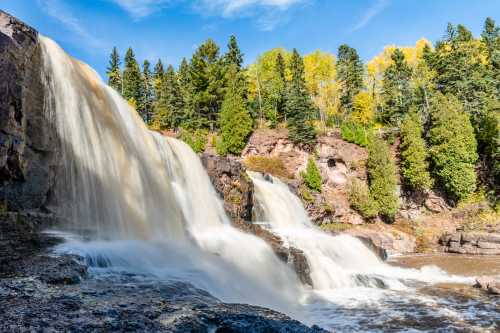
139	203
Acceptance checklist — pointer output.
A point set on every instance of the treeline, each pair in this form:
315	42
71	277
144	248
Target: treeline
442	101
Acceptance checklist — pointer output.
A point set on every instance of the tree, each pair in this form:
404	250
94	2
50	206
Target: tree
148	92
396	90
299	107
452	147
233	55
382	178
362	109
361	199
186	91
114	72
349	74
132	81
171	99
235	122
491	37
158	74
207	81
312	176
489	141
414	164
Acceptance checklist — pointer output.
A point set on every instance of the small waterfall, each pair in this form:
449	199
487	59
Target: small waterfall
144	203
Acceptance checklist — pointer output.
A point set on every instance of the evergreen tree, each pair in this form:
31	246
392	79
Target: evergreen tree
349	75
312	176
382	178
207	81
281	87
489	142
148	92
491	37
396	89
414	164
453	147
158	76
235	122
299	107
233	55
132	81
186	91
114	72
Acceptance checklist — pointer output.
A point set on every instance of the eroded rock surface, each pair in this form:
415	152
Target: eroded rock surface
481	243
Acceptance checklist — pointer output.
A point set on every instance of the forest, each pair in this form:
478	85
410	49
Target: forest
439	101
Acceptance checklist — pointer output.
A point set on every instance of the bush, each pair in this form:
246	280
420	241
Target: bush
453	147
414	165
197	139
312	176
355	133
361	200
271	165
382	178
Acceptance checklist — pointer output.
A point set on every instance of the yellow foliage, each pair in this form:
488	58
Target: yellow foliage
319	70
363	108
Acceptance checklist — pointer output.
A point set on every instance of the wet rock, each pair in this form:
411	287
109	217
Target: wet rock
472	243
385	242
27	141
488	284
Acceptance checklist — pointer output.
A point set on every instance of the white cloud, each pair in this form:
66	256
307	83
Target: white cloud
372	11
138	9
64	15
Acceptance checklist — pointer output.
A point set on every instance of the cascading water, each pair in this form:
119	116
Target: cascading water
144	201
143	204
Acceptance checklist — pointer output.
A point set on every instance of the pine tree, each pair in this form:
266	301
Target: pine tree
235	122
186	90
132	81
491	37
396	89
349	75
281	87
158	75
171	94
233	55
299	107
453	147
148	92
382	178
312	176
114	72
414	164
207	81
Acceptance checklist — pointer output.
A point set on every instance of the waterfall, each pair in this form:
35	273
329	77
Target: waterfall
336	262
144	203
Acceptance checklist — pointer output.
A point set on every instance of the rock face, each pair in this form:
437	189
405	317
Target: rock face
488	284
385	242
231	182
481	243
27	141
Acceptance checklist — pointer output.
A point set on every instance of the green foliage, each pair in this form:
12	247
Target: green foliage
235	122
349	74
306	194
312	176
453	147
355	133
489	139
414	164
132	81
299	108
233	55
382	178
158	76
361	200
271	165
170	106
396	90
148	92
196	139
114	72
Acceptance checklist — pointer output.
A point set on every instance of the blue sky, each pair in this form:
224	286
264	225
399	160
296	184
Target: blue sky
171	29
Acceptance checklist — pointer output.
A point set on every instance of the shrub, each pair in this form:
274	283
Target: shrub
382	178
312	176
197	139
453	147
306	194
355	133
361	200
271	165
414	165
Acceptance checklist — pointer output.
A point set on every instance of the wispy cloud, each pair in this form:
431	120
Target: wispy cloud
139	9
57	10
370	13
268	13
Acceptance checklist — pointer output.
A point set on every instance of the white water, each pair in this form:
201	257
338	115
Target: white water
142	203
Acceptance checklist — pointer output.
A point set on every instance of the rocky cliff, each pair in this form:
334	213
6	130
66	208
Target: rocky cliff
28	146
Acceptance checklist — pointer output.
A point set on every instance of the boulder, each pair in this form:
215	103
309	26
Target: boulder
488	284
28	143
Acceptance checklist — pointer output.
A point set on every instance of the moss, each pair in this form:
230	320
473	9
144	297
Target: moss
306	194
336	227
271	165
